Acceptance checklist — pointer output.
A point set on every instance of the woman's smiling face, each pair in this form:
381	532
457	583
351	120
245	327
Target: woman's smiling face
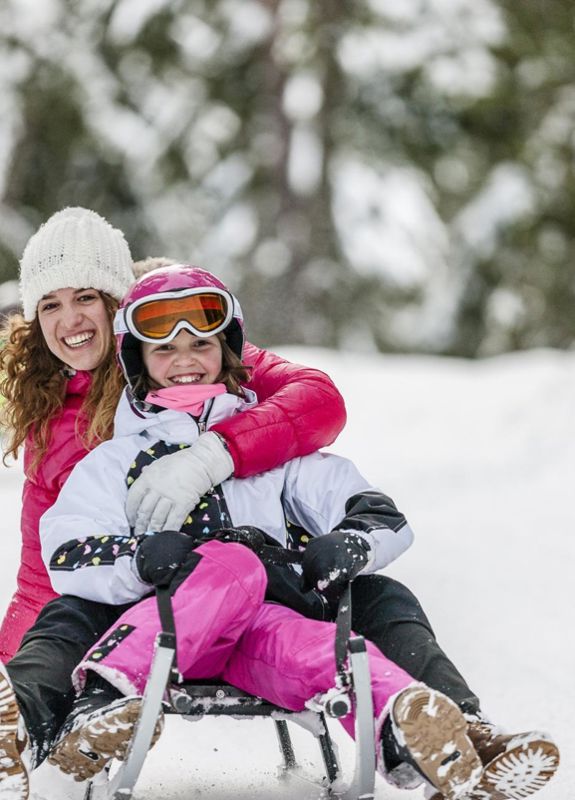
76	327
186	360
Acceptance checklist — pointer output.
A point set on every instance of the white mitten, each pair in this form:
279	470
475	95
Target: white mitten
170	488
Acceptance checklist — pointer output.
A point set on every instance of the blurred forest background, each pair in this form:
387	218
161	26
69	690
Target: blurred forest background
367	175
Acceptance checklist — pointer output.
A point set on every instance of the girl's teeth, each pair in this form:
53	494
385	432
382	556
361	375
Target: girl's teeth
187	379
75	341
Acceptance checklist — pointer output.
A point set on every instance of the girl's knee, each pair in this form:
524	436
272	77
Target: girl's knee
240	563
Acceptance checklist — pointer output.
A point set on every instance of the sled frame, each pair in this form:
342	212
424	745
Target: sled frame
192	699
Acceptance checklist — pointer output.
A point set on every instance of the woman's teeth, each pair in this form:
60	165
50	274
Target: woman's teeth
80	338
187	379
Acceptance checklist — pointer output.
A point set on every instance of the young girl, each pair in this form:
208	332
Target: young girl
180	340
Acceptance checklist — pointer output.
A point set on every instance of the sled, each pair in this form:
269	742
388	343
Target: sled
193	699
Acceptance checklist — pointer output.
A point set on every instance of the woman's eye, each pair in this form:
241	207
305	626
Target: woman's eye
47	307
87	298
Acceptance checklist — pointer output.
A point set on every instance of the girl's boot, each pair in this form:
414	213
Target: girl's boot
427	731
98	729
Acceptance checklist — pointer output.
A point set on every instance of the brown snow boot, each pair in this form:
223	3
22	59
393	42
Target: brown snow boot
14	751
432	733
514	766
98	729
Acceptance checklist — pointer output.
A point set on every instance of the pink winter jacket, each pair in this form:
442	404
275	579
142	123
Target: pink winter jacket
304	412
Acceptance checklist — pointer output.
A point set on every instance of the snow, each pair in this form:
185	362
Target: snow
479	455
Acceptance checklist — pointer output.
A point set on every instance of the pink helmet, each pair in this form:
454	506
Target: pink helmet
172	279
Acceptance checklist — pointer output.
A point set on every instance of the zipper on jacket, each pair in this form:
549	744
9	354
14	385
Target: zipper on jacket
327	614
202	422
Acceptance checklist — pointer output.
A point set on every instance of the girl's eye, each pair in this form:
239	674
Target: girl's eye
87	298
47	307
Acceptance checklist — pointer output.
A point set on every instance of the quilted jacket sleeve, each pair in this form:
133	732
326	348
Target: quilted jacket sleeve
299	411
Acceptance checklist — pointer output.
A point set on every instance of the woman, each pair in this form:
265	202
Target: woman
61	385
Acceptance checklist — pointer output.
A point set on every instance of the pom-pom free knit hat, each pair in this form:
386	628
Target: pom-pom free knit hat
77	249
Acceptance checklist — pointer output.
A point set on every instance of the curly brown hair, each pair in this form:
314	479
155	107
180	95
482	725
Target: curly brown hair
33	385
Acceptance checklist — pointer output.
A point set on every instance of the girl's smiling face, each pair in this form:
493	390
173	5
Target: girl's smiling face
76	327
185	361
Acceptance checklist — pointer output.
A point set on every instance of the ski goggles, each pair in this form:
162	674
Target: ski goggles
159	318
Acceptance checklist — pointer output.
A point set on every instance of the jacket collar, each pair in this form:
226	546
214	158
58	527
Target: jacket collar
79	382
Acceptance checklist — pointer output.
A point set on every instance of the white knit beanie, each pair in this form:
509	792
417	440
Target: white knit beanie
76	249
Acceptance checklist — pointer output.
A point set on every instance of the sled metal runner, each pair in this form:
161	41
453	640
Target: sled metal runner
195	700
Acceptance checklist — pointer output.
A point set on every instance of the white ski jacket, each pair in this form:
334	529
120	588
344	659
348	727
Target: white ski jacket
87	544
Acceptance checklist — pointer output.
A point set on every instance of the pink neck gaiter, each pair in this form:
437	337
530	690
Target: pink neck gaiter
185	398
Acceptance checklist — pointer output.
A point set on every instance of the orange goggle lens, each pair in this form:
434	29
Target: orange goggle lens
203	312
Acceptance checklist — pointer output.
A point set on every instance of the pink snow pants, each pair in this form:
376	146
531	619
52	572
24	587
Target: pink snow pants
225	631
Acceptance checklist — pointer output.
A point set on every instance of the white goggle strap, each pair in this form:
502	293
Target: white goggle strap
120	322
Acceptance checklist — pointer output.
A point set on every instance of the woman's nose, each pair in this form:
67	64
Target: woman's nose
71	316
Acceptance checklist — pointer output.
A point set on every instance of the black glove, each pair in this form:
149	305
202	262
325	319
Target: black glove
251	537
160	555
331	561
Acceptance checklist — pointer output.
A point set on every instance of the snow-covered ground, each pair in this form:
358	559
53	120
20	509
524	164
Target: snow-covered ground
480	457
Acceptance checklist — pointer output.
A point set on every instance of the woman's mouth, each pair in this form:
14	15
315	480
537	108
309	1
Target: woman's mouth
78	339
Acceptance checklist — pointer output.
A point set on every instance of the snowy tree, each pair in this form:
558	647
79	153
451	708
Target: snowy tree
365	175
